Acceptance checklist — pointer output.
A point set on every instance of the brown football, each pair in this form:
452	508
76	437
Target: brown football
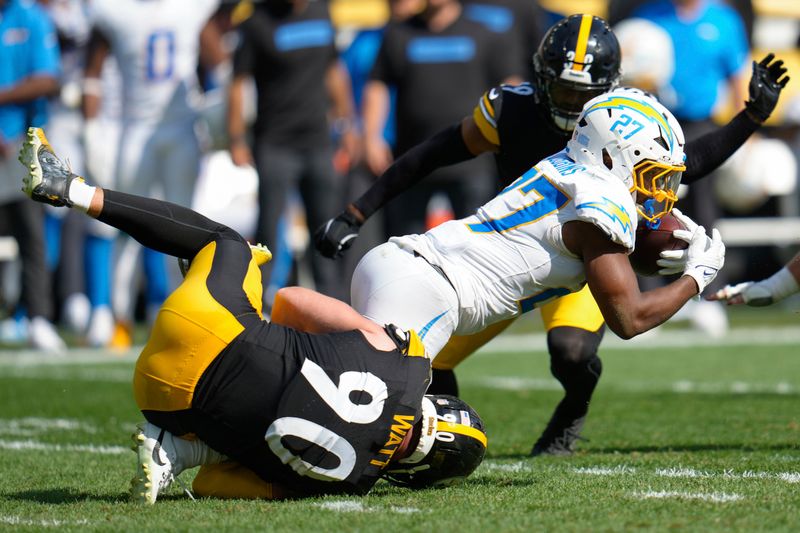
651	242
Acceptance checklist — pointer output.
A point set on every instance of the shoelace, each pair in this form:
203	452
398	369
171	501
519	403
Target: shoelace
185	489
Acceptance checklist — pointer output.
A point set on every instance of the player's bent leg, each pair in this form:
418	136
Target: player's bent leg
394	286
574	330
458	348
232	480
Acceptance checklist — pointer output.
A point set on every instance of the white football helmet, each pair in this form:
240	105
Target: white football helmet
636	138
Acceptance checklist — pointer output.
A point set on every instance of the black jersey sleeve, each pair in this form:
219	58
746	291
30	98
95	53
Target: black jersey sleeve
243	57
706	153
385	67
487	112
445	148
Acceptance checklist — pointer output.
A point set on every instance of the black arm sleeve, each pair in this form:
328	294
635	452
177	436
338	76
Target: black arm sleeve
162	226
445	148
706	153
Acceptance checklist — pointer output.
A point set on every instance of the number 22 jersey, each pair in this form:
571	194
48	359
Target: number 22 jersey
509	257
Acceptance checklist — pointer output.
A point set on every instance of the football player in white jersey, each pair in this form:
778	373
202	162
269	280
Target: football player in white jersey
156	44
570	220
90	148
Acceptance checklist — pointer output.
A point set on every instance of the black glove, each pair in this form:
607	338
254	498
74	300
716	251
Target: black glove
337	235
765	86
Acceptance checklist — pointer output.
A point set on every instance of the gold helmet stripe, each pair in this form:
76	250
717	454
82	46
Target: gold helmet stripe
461	429
583	40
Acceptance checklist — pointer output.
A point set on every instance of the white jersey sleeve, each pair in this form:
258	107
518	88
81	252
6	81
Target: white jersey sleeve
603	201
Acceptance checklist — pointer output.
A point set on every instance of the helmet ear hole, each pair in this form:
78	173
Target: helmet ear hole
607	161
451	445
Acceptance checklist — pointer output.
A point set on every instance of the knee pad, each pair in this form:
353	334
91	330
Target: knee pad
573	355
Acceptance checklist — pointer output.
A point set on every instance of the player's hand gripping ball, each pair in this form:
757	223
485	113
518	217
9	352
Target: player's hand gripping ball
658	251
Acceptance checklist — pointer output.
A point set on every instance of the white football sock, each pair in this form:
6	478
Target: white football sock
81	194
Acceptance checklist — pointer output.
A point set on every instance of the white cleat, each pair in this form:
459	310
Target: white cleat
42	335
156	465
101	327
161	457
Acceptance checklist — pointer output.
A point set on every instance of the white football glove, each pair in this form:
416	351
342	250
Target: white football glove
674	261
759	293
705	257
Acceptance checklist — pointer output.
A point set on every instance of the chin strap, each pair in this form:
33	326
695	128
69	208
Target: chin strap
649	210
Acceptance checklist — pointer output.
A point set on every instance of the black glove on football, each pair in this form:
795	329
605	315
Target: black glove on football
765	86
336	235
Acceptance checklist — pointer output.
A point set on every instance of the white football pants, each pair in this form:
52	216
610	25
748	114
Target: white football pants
393	286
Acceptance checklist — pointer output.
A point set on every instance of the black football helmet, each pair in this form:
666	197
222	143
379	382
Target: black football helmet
451	445
578	59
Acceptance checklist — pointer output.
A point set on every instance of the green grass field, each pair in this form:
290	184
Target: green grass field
683	434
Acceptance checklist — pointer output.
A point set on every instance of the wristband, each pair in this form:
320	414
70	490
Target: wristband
781	284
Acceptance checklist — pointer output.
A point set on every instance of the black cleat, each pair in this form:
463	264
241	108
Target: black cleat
559	437
48	179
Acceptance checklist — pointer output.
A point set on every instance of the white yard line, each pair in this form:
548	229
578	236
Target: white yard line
623	470
24	445
493	466
75	356
40	522
355	506
778	336
716	497
29	426
105	374
605	470
788	477
686	472
513	383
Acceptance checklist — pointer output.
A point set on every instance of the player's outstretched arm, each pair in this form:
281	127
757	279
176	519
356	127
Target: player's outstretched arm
312	312
452	145
775	288
627	310
707	153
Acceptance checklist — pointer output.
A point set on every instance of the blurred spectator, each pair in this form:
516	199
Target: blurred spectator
287	47
156	46
523	21
359	58
440	62
619	10
29	70
648	60
76	249
65	231
711	58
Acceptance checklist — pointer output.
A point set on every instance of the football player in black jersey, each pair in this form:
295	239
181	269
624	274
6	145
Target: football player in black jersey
578	59
329	409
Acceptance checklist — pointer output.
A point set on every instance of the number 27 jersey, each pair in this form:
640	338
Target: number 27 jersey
509	257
